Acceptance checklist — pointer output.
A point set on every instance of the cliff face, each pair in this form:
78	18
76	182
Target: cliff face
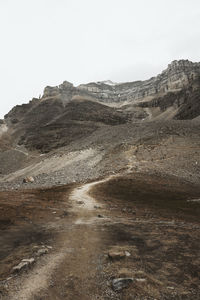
66	113
178	75
182	75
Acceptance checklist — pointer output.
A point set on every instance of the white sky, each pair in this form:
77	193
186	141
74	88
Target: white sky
44	42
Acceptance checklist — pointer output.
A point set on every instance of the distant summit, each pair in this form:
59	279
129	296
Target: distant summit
178	75
108	82
105	127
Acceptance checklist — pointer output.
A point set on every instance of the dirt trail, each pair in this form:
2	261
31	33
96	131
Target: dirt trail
77	255
163	252
81	194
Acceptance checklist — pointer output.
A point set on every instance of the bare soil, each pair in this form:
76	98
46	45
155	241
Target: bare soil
24	216
148	216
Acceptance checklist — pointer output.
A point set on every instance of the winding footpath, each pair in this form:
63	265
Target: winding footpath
78	267
83	206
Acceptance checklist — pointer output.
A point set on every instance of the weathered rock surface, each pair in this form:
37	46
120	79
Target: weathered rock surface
75	134
178	75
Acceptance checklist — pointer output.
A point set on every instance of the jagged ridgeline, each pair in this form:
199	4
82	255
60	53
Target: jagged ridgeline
102	180
179	74
66	113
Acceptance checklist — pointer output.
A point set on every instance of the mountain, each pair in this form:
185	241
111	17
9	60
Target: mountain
178	75
109	126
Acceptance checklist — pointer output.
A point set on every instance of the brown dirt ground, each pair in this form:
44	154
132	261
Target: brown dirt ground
161	230
149	216
24	216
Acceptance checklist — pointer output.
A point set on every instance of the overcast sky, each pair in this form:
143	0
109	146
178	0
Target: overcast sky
44	42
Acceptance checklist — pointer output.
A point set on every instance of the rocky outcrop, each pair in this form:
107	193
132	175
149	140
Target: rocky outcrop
179	74
63	92
65	114
48	124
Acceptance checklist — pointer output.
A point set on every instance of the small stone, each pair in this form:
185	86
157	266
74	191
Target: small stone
42	252
97	207
116	254
49	247
100	216
127	253
28	179
120	283
29	261
9	278
20	266
23	264
140	279
80	202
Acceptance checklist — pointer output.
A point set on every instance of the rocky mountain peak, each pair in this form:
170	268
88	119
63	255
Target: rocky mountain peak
108	82
66	85
182	64
182	68
178	75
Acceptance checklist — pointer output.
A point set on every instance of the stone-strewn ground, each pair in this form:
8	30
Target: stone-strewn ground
84	238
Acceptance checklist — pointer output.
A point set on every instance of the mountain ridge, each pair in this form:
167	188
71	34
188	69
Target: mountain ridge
179	74
105	134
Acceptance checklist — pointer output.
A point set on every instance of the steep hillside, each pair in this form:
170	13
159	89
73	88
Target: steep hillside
185	104
81	133
49	124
